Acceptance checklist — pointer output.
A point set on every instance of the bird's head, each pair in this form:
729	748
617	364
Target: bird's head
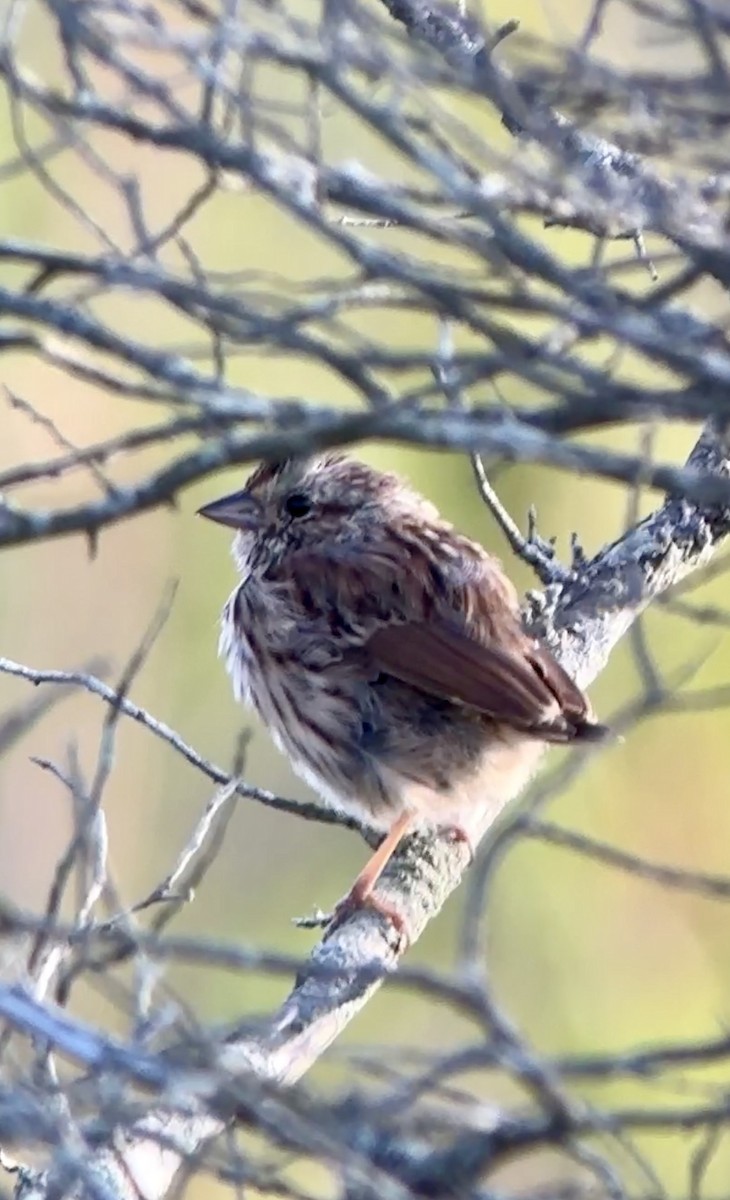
306	501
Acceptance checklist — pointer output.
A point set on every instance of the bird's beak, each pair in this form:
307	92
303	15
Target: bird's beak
240	510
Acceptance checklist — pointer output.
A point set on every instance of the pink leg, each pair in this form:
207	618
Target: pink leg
360	894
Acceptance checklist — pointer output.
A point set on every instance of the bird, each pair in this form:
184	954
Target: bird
385	653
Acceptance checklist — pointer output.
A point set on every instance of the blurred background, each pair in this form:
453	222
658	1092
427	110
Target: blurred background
582	956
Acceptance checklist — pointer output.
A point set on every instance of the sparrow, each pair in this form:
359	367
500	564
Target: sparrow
385	653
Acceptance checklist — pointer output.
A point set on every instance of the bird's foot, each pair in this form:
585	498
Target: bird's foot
358	899
348	906
458	835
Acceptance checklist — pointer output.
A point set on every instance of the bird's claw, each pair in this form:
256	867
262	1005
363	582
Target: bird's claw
353	903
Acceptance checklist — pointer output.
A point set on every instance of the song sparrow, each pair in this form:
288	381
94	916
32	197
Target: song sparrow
385	653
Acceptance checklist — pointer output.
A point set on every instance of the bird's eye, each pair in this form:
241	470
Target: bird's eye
297	505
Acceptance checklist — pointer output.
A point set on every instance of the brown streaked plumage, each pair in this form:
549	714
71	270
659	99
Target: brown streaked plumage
385	653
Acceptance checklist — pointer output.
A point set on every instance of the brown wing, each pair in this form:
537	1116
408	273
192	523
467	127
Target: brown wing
417	621
445	661
573	702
